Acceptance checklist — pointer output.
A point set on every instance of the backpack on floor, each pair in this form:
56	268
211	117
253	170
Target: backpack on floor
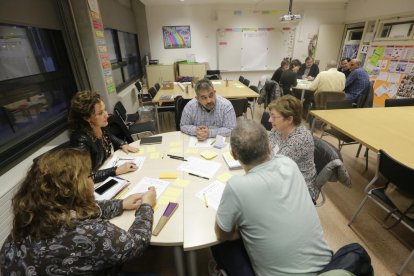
353	258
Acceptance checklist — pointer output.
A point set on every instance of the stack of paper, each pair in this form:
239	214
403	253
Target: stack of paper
200	167
231	162
212	193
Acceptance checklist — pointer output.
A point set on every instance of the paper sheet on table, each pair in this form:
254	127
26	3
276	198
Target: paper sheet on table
194	143
216	82
142	186
200	167
118	161
213	193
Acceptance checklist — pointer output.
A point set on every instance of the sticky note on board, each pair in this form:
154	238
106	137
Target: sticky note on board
181	182
168	175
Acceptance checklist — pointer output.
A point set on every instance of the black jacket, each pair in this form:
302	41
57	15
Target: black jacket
313	72
83	141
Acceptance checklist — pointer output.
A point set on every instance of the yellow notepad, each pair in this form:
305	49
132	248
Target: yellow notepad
208	154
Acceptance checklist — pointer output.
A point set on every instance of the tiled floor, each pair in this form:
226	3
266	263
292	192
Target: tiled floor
387	249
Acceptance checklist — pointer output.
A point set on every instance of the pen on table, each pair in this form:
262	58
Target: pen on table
122	193
212	142
199	176
120	178
178	158
205	200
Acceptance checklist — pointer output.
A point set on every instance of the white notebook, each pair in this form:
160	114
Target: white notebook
231	162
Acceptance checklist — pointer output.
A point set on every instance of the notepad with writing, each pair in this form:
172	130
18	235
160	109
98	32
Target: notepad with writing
169	211
151	140
231	162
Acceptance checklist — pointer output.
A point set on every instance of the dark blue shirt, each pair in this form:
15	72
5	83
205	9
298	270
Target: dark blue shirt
356	83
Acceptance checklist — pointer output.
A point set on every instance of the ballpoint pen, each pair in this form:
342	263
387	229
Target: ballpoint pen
178	158
199	176
205	200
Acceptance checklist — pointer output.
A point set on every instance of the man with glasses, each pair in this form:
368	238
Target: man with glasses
208	114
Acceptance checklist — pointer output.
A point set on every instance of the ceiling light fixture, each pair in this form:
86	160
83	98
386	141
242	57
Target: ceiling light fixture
290	16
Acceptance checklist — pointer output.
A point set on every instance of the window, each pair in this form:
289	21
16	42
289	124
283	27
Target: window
398	29
36	85
125	58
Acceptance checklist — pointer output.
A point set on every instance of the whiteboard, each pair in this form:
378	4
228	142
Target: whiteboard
247	49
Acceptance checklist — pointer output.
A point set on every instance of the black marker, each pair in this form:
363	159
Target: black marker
199	176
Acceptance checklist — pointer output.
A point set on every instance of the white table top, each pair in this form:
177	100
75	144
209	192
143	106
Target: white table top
192	224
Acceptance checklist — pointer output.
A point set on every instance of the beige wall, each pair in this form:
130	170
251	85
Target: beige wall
361	10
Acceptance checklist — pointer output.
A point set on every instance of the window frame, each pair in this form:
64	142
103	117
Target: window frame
392	22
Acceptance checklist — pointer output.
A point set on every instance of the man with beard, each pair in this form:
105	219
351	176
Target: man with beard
207	114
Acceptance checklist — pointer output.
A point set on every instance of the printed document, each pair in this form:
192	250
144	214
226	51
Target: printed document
200	167
145	183
213	193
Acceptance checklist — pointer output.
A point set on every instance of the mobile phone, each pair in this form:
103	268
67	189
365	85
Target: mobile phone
106	186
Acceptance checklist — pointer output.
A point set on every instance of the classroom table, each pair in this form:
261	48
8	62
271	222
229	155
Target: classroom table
191	227
303	85
227	89
387	128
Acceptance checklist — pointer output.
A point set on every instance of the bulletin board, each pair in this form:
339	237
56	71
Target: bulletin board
392	69
253	49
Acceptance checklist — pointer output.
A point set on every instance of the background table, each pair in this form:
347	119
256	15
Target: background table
388	128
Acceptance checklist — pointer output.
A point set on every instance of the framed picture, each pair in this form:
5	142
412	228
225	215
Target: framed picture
176	37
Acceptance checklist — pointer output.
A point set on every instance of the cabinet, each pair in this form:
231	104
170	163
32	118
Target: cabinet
159	73
197	70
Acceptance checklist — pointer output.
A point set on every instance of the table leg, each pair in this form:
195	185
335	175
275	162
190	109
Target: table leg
302	95
179	260
157	118
192	262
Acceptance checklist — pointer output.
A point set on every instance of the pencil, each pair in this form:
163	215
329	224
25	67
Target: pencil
205	200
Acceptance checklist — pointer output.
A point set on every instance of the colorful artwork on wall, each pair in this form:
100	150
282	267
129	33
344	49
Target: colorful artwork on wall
176	37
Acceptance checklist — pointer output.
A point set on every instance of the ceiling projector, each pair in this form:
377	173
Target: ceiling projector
290	17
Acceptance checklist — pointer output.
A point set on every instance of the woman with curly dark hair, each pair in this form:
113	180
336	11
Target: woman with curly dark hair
87	120
59	228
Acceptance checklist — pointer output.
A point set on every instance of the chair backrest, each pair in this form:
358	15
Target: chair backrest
399	102
246	82
120	110
152	92
366	99
241	78
212	77
213	72
179	104
118	128
322	98
239	105
324	153
265	121
270	91
397	173
138	86
254	88
157	86
344	104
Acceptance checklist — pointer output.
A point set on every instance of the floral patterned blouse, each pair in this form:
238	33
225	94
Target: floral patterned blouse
299	147
92	247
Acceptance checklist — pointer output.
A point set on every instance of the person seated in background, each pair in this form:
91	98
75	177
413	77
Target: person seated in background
309	70
288	79
59	228
344	68
357	81
289	138
329	80
208	114
284	65
270	209
87	119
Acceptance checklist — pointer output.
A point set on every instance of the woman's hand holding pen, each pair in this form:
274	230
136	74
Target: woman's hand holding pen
127	148
132	202
126	167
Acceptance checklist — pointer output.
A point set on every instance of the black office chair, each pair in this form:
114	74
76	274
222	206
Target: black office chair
213	75
240	106
329	166
246	82
399	102
366	99
179	104
269	92
127	118
241	78
392	171
265	121
132	132
157	86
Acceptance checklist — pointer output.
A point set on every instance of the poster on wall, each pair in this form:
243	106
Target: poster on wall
392	69
176	37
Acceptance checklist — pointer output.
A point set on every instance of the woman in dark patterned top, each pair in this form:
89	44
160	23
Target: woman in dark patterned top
87	119
288	137
59	228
